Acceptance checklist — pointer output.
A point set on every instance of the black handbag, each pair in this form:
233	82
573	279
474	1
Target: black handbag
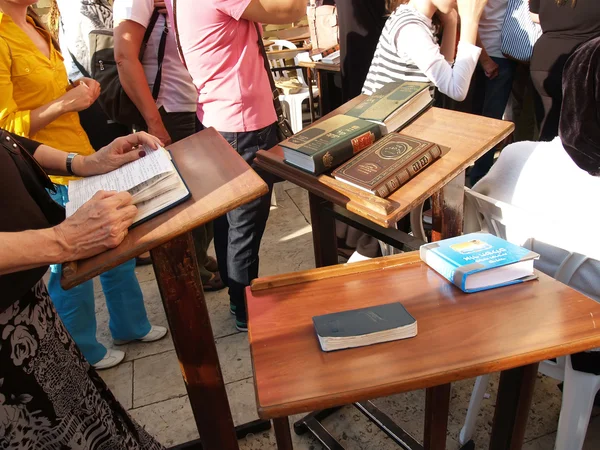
113	99
34	177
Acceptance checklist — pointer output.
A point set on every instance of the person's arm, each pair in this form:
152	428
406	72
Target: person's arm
452	80
29	122
487	63
128	40
274	11
121	151
97	226
534	10
449	34
470	12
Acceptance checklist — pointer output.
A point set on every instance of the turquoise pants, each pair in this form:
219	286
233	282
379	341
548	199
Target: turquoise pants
76	307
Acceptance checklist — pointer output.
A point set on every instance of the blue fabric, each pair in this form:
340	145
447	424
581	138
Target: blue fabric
489	99
239	232
76	307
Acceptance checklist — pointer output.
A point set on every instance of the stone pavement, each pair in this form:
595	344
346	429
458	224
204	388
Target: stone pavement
150	386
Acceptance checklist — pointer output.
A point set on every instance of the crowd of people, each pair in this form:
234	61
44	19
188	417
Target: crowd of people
202	67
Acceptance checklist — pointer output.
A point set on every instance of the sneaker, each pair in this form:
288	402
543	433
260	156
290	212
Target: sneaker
111	359
232	308
241	326
154	334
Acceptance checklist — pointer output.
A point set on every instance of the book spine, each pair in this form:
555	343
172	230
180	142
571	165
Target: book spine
439	264
415	166
344	150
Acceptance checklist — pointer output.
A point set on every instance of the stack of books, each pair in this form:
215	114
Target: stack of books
385	166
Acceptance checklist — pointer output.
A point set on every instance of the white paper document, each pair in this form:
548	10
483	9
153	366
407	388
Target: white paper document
134	177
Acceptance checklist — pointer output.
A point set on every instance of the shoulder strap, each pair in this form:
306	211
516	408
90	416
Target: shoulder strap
149	30
82	69
161	49
176	30
274	90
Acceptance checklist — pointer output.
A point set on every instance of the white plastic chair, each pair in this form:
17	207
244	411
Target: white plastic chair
580	388
292	103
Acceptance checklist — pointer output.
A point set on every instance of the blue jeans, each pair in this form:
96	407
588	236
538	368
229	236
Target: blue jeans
489	99
239	232
76	307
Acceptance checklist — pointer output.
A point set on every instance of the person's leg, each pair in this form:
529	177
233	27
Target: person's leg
76	307
246	223
553	88
543	101
125	303
180	125
495	99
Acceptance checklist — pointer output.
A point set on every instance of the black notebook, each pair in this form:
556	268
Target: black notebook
365	326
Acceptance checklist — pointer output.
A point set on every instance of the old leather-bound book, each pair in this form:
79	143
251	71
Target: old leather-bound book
329	143
388	164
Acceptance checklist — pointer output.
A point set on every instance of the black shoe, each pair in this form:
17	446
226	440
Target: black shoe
241	326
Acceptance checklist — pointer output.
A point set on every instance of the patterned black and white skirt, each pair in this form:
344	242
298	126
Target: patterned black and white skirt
50	397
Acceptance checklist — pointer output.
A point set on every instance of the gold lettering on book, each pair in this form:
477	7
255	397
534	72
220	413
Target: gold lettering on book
327	160
418	165
367	168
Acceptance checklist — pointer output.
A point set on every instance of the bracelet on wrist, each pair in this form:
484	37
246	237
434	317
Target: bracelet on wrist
70	158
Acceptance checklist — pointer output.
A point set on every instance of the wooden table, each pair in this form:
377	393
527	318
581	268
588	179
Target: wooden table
468	137
322	70
219	180
460	336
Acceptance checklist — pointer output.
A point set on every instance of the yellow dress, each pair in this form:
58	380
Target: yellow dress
28	80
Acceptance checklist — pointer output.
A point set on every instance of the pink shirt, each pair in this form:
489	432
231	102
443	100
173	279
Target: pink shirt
222	55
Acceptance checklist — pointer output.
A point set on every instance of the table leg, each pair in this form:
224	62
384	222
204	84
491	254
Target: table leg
311	105
181	290
282	433
324	236
437	406
448	209
512	407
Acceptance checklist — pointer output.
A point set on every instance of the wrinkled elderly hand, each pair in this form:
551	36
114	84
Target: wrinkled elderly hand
99	225
120	151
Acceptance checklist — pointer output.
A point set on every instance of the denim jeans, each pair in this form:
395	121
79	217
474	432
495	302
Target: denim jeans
76	307
489	99
239	232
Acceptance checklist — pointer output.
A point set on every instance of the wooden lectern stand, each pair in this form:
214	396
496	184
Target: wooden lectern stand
220	181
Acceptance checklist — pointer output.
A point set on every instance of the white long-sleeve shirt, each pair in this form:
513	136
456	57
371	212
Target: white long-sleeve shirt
408	51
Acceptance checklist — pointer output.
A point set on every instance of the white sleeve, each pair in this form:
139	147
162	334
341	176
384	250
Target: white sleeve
139	11
454	80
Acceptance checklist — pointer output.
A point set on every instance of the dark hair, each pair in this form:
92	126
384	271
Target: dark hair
391	6
39	23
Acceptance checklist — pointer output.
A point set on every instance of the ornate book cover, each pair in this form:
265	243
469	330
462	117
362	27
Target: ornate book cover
388	164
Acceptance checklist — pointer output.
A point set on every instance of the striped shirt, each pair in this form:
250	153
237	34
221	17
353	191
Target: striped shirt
390	63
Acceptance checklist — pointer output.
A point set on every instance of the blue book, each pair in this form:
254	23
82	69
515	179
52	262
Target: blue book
479	261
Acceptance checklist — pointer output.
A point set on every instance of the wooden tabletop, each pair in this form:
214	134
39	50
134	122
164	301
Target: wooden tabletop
320	66
468	136
219	181
459	335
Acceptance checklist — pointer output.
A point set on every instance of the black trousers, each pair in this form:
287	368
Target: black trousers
548	86
238	233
